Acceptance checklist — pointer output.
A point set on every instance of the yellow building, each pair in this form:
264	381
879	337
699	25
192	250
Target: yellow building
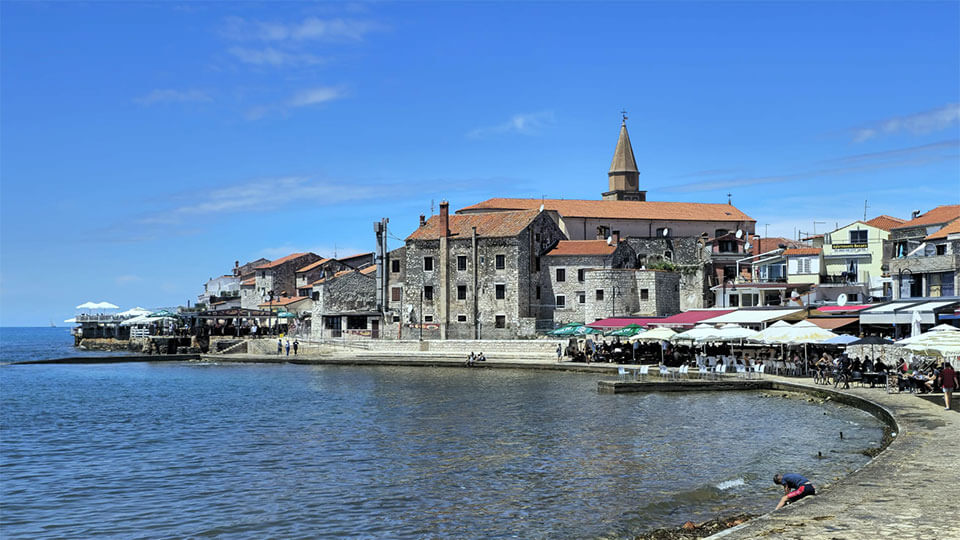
854	254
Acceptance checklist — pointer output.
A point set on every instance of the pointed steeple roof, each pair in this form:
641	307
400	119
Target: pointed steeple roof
623	160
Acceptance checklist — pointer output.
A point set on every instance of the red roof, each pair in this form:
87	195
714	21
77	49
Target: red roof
940	214
801	251
492	224
620	322
582	247
951	228
829	323
313	265
251	281
763	245
851	307
282	260
885	222
689	318
665	211
285	301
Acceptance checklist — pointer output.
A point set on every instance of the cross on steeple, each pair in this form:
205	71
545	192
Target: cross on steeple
624	113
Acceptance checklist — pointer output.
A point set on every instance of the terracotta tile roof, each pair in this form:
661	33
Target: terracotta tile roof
251	281
665	211
281	260
763	245
940	214
367	254
885	222
490	224
582	247
285	301
950	228
801	251
367	270
311	266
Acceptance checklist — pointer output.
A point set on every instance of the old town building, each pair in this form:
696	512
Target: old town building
926	260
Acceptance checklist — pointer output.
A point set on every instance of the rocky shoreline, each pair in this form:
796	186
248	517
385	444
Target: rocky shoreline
696	530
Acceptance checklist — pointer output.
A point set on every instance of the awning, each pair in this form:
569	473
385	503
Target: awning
844	308
618	322
834	322
901	312
687	319
754	316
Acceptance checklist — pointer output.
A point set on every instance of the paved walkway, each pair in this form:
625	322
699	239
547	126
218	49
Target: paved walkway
911	490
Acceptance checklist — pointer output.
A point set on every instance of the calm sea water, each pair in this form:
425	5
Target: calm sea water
245	451
18	344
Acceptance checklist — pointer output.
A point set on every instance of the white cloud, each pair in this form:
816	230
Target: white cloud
916	124
522	124
314	96
274	57
173	96
309	29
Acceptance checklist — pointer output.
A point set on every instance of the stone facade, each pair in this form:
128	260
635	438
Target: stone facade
459	286
563	291
617	292
345	306
395	268
279	276
691	259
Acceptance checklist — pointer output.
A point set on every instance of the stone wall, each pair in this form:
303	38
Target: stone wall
623	293
353	293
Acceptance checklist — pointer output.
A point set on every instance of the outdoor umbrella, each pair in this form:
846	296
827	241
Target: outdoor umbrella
656	334
775	333
946	344
286	315
565	330
944	328
842	339
732	332
71	320
915	320
586	330
630	330
88	305
163	313
871	341
133	312
700	332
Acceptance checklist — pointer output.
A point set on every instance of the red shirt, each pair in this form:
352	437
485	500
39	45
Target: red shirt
949	377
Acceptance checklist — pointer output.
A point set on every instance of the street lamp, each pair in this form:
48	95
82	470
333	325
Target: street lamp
420	315
270	293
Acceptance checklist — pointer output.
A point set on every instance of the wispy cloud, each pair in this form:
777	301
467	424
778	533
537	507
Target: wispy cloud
900	157
315	96
172	96
521	124
311	28
127	279
917	124
271	56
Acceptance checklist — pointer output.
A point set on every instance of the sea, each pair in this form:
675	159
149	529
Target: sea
220	450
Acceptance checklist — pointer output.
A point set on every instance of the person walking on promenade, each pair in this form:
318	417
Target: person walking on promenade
279	347
559	351
296	345
795	487
288	347
949	381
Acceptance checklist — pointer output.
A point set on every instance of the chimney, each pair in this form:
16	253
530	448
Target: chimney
423	220
616	238
236	268
444	219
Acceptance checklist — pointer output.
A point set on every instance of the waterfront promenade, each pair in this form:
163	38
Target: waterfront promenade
909	491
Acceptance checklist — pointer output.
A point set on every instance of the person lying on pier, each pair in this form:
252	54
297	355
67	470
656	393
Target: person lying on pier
795	487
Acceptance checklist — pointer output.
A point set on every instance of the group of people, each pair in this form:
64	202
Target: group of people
474	358
280	347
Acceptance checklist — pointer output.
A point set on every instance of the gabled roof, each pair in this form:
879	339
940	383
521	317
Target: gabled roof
283	260
623	160
940	214
885	222
313	265
582	247
357	255
251	281
950	228
491	224
651	210
763	245
367	270
801	251
285	301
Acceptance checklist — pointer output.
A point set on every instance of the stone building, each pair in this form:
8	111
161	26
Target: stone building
613	292
926	254
223	292
474	276
345	306
280	276
308	275
562	293
669	235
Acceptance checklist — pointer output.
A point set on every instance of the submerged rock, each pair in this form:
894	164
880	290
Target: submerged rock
692	530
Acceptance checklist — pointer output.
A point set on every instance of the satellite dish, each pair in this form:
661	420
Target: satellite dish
666	231
541	208
842	300
609	240
794	294
739	234
748	246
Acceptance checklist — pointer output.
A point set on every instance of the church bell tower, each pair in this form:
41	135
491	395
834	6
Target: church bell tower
624	176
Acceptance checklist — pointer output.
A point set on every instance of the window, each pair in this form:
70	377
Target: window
461	292
315	296
428	264
396	318
644	294
599	294
858	237
734	300
581	275
538	292
803	264
500	321
942	249
668	255
461	318
396	294
853	297
727	246
461	262
582	298
501	291
356	322
395	266
428	318
501	262
536	264
561	301
536	238
561	274
428	292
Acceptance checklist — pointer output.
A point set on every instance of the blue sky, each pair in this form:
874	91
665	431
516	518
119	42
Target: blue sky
145	147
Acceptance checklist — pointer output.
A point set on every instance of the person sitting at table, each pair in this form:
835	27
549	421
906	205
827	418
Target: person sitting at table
867	365
879	366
